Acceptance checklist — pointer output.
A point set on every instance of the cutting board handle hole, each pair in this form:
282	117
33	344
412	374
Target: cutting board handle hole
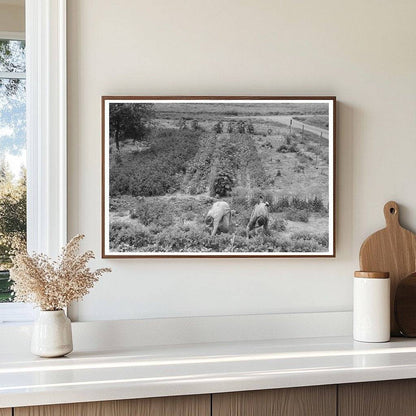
392	210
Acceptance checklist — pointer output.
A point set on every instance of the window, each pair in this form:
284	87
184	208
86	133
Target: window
45	89
12	153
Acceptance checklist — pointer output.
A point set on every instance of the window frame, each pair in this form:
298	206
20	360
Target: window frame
12	35
46	135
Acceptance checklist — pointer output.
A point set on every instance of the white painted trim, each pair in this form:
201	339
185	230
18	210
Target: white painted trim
46	133
12	35
202	329
46	124
12	75
100	335
16	312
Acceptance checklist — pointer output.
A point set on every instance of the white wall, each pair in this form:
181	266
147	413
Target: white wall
361	51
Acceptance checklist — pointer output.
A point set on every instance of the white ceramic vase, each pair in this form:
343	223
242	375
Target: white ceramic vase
52	334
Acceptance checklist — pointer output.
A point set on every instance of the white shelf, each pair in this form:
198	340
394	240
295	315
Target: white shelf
151	371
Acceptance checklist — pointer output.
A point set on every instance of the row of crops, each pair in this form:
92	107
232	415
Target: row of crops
222	163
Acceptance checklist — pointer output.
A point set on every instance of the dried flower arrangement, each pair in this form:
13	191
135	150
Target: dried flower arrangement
53	285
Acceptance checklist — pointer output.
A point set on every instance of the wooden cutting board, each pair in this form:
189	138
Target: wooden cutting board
393	250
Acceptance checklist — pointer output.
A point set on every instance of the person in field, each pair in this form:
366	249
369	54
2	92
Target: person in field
219	216
259	217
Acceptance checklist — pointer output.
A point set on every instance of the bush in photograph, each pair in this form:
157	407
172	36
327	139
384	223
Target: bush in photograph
195	125
158	183
323	239
191	238
284	245
222	185
299	203
306	241
155	228
119	204
310	246
241	127
297	215
149	212
317	205
218	127
128	237
270	243
250	128
280	204
287	148
157	170
278	225
303	235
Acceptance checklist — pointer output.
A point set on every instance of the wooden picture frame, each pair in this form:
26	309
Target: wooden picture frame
214	176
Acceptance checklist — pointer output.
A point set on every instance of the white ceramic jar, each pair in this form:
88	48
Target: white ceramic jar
371	313
52	334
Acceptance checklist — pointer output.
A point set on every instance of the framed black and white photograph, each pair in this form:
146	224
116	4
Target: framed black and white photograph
218	176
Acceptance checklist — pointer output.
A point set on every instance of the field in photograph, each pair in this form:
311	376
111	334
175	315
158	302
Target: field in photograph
162	187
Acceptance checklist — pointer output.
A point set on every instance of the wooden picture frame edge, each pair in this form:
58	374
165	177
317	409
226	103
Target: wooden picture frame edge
105	98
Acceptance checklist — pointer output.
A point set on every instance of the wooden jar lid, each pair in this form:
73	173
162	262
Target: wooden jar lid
372	275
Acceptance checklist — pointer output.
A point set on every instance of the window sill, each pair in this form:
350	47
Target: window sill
16	313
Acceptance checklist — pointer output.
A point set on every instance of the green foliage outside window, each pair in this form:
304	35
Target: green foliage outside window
12	155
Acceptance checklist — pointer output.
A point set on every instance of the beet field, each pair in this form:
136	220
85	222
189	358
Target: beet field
186	159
